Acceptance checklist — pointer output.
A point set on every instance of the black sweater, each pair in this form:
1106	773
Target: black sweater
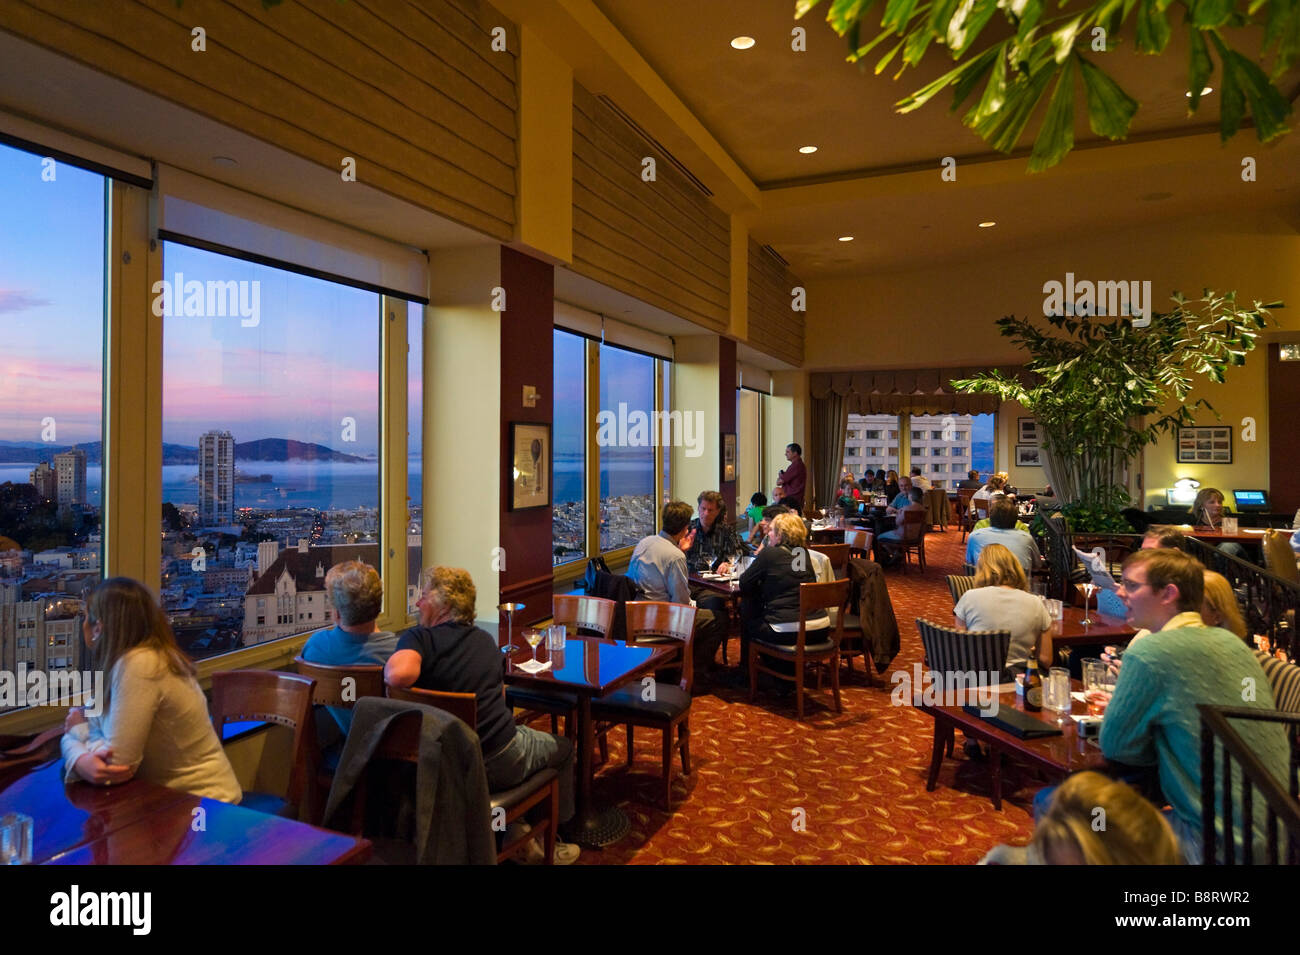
772	581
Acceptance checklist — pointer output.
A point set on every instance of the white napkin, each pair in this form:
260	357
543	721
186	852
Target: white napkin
534	666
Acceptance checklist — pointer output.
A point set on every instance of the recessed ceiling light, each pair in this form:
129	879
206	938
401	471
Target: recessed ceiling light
846	238
1205	92
806	150
225	161
742	42
987	225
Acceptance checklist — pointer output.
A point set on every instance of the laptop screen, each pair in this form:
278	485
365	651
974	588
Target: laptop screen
1251	500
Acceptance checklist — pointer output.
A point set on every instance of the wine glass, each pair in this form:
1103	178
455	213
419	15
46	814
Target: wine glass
1088	590
534	637
509	610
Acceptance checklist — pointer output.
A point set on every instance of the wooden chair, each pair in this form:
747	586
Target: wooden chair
981	509
859	543
911	536
824	648
838	554
1279	558
949	650
958	585
268	696
936	508
332	689
541	787
654	621
964	521
592	616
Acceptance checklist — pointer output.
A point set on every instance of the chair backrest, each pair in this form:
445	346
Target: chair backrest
1284	678
463	706
912	522
332	688
838	554
949	650
269	696
824	597
578	612
1279	558
958	584
982	508
653	621
858	541
936	505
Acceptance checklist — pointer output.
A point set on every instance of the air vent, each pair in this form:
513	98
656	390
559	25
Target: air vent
669	157
776	255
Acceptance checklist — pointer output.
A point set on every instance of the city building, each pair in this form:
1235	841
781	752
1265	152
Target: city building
216	478
871	443
70	470
46	481
940	445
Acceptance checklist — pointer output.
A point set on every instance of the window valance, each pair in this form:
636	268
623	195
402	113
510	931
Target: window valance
916	391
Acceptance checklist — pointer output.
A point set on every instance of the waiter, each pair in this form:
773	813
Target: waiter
792	481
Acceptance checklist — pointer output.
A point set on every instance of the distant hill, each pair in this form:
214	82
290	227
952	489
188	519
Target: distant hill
265	449
982	455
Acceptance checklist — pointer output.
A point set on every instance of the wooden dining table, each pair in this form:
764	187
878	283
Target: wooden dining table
588	667
1215	535
1071	631
141	823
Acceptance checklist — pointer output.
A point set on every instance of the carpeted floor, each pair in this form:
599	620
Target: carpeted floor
847	788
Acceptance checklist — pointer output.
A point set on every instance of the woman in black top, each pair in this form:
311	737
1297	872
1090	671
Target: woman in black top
769	589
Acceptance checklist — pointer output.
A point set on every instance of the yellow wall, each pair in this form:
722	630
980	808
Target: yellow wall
695	388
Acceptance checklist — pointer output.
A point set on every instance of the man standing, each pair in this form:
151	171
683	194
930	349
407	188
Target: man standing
1152	719
658	568
794	479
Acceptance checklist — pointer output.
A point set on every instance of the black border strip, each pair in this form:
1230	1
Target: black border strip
41	151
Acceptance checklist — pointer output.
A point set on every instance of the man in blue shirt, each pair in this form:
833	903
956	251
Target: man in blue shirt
1002	518
357	594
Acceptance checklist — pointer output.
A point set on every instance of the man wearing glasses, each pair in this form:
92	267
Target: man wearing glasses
1152	718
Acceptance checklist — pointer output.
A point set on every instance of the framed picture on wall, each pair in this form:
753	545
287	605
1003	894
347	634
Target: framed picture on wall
1027	431
728	456
530	457
1205	445
1027	456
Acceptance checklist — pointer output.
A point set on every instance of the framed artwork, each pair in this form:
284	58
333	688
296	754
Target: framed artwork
1027	431
1027	456
1205	445
728	456
530	456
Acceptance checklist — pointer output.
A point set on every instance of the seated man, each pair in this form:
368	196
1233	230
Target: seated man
710	542
448	652
902	499
918	481
1002	530
658	568
1152	719
972	481
357	595
909	500
984	522
758	536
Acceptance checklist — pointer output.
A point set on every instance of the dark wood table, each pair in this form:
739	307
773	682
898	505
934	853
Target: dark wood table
1214	536
140	823
1071	632
588	667
1057	756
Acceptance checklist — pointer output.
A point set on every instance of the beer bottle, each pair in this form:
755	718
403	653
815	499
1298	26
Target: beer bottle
1033	686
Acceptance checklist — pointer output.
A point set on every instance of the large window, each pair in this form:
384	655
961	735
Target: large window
625	434
569	515
52	266
865	452
982	443
270	446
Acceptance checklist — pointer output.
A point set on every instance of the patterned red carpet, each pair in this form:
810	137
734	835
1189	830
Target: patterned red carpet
847	788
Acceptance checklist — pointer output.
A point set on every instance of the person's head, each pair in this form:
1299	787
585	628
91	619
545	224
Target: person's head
904	484
1134	832
972	475
355	591
998	567
446	593
880	474
915	494
892	476
1159	535
916	471
865	483
122	615
847	483
1002	513
788	529
676	515
1208	505
711	507
793	451
1219	605
1157	585
769	512
758	499
997	482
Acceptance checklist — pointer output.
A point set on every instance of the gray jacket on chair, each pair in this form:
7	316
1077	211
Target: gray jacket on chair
450	813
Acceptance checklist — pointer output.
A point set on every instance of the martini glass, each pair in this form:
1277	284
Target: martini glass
1088	589
509	610
534	638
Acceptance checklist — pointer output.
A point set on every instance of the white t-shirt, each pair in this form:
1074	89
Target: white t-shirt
1005	608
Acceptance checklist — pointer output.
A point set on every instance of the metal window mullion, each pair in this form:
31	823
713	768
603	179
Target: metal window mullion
591	453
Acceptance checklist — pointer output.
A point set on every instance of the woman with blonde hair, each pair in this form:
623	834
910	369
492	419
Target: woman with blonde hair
1000	600
769	588
1219	606
153	720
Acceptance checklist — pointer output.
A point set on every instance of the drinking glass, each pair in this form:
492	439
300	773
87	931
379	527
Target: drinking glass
15	839
509	610
1229	525
534	637
1093	668
556	636
1056	692
1055	609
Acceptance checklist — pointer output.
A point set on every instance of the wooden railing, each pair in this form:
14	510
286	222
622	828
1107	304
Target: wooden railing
1280	804
1268	602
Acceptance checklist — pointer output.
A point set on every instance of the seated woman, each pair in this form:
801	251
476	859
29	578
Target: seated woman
153	721
1000	600
997	484
448	652
1135	832
1208	511
849	492
892	488
769	589
1219	606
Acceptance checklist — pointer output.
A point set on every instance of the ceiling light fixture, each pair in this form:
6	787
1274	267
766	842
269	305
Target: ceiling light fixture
987	225
742	42
225	161
807	150
846	238
1205	92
